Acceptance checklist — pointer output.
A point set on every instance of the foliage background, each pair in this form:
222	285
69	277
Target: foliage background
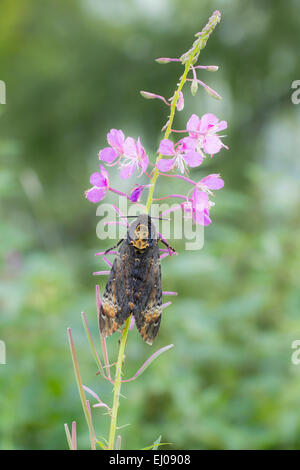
73	70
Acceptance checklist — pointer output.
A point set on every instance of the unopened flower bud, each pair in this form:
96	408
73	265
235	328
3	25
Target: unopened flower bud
152	96
194	87
212	68
212	93
148	95
136	193
165	60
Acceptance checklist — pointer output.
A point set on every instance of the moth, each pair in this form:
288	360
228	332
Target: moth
134	283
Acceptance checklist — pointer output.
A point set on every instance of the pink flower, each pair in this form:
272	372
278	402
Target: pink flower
200	207
197	208
204	132
200	204
116	140
134	158
130	153
100	186
212	181
183	155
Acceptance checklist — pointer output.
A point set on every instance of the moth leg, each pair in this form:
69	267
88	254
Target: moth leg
167	244
115	246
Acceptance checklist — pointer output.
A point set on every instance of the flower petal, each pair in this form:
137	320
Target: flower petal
207	121
130	148
127	171
207	219
96	179
200	200
201	217
104	173
95	194
193	158
213	181
116	138
193	123
200	204
165	164
166	147
198	217
140	149
212	144
221	126
143	164
108	155
187	143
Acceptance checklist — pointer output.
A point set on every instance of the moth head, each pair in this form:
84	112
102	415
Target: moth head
141	233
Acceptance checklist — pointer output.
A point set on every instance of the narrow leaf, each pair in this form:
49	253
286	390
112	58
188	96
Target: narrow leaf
149	361
81	390
91	342
69	438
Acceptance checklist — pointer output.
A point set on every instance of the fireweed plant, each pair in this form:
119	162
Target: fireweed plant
201	138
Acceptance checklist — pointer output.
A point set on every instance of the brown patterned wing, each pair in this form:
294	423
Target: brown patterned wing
114	308
148	296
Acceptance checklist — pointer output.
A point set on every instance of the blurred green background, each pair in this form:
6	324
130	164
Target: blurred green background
73	70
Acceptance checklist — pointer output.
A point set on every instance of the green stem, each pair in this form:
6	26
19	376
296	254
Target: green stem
117	386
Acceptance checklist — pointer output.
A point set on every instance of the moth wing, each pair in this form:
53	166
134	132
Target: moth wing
148	300
114	308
